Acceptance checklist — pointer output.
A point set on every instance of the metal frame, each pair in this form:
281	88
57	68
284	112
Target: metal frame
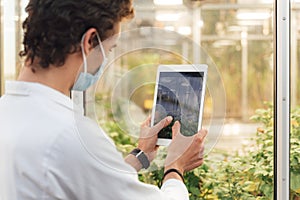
282	101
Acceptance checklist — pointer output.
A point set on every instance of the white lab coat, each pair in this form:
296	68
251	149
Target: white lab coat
47	151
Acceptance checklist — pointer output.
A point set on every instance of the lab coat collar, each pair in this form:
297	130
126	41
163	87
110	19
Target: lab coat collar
22	88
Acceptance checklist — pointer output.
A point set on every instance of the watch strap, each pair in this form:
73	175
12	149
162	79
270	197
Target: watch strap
141	156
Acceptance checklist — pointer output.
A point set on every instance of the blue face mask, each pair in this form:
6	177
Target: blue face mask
85	79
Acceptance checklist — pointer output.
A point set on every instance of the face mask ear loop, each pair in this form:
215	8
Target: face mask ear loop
101	46
83	55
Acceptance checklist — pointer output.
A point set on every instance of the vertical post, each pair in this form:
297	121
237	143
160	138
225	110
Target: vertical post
244	43
196	35
282	100
294	63
18	36
185	50
9	38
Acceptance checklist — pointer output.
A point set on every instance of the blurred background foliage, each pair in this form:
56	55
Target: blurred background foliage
246	174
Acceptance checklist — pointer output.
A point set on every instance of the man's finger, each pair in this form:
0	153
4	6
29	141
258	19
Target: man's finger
202	134
163	123
147	121
175	129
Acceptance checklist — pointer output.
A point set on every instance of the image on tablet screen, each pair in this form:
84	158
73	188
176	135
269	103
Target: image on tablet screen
179	95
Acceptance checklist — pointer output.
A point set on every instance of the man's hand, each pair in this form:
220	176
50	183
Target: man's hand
184	153
148	136
147	141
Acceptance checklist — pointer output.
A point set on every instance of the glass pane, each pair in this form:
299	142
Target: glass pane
235	38
236	41
295	102
12	15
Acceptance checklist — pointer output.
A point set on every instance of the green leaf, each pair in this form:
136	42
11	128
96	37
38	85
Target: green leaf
194	191
250	186
295	182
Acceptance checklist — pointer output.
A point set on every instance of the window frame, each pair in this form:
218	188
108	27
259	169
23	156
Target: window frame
282	98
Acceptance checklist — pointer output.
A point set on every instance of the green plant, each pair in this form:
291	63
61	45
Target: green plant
295	154
250	176
232	176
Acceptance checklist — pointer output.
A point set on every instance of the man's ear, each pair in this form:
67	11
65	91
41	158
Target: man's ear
87	40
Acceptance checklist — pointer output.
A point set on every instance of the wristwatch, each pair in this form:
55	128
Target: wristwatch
140	155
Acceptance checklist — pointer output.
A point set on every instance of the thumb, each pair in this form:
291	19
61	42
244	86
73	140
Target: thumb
163	123
175	129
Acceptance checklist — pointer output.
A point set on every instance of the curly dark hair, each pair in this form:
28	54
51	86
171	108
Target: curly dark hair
53	28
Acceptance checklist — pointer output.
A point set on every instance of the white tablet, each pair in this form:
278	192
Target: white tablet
179	92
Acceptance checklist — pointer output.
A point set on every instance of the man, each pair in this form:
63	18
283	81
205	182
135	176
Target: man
47	150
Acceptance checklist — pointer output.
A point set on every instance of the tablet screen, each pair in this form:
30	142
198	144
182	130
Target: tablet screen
179	95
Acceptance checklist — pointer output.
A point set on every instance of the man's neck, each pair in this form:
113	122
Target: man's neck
59	78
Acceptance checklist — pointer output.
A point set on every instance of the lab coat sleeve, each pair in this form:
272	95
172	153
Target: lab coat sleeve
90	167
175	189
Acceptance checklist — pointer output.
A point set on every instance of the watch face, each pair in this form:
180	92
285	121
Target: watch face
135	151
